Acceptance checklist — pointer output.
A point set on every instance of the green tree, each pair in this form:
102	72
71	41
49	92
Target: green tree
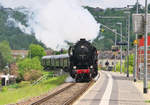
2	62
27	66
36	51
5	54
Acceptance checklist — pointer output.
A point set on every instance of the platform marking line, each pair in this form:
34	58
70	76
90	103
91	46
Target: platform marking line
106	96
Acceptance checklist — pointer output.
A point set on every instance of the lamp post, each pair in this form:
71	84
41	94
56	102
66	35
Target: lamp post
115	46
121	47
128	12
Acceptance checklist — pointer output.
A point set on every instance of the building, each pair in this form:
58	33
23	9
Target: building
17	53
140	57
24	53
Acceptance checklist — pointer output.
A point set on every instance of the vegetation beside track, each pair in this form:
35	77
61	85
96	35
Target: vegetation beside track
25	90
147	101
124	65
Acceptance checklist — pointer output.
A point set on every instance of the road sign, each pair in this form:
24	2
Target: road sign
115	53
135	42
138	23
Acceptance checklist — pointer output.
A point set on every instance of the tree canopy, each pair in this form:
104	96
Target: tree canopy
36	51
5	54
10	31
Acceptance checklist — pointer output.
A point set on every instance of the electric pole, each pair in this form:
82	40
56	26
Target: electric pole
128	12
115	46
145	48
136	47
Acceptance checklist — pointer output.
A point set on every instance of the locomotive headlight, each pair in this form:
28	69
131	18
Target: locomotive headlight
74	67
91	67
82	46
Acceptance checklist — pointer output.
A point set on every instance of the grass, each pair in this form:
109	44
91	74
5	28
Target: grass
123	68
147	101
24	90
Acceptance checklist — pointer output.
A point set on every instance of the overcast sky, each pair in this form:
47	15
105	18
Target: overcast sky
111	3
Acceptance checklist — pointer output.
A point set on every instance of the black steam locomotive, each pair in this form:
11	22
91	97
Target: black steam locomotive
83	61
80	62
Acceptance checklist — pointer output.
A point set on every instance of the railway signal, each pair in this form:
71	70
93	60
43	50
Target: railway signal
135	42
115	48
122	43
102	29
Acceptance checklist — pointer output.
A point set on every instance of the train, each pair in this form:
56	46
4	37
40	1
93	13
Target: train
80	61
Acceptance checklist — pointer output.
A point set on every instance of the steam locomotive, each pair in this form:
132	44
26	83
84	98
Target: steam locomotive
80	62
83	60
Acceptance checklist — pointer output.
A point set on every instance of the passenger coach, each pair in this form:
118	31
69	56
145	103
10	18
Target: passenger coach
56	62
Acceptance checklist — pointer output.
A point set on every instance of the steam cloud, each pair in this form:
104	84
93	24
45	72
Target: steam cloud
54	21
11	22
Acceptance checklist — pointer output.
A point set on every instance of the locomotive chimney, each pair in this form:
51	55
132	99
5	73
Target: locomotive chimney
82	39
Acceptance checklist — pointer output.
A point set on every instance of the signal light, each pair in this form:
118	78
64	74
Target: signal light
102	30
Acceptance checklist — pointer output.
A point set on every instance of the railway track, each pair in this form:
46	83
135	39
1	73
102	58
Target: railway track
66	95
78	94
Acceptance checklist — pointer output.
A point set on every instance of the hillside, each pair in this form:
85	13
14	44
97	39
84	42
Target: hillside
105	40
10	23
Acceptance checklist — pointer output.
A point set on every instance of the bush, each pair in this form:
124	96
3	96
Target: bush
124	68
19	78
32	75
103	68
14	86
5	88
29	69
29	64
23	84
118	67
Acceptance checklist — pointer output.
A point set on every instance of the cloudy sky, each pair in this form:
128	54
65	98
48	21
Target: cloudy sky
54	21
111	3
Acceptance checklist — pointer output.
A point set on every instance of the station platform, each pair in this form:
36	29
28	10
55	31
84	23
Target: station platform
112	89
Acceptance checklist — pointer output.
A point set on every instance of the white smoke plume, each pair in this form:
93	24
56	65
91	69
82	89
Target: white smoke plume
11	22
54	21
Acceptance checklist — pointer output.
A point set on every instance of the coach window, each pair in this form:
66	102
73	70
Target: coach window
50	61
59	62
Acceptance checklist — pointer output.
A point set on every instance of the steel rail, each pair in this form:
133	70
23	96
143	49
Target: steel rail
52	95
72	99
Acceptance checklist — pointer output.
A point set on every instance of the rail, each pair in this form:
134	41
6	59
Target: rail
72	99
68	100
52	95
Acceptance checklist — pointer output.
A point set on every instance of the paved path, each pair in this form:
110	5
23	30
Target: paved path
111	89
